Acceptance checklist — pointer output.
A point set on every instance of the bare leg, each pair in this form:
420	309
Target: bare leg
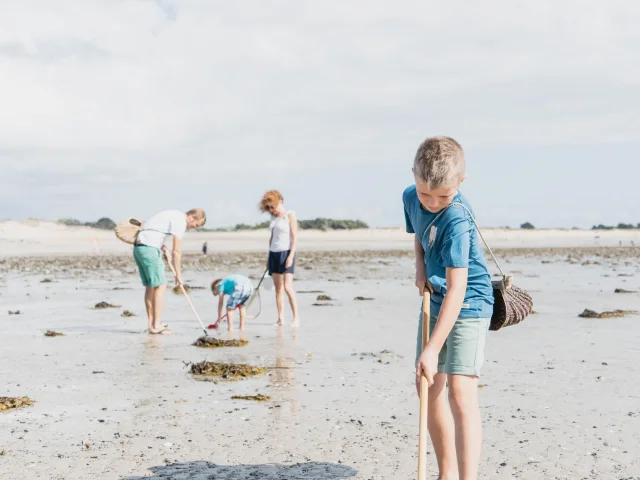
230	319
441	429
157	304
463	398
242	315
288	288
278	283
148	303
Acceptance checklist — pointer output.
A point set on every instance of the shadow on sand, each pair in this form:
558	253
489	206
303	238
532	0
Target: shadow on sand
202	470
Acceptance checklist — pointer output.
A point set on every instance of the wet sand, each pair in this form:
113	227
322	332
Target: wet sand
560	397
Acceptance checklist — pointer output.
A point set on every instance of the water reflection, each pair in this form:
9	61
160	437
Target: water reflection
283	377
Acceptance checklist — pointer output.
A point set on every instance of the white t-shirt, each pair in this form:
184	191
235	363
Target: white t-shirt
281	231
161	225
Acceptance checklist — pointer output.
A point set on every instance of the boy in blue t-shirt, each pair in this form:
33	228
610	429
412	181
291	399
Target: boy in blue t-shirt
239	290
450	262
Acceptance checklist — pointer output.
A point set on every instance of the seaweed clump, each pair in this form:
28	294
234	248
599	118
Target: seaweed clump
101	305
610	314
256	398
127	313
187	288
622	290
211	342
51	333
7	403
227	371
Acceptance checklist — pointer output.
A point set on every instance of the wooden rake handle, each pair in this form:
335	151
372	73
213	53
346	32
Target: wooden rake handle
424	391
173	270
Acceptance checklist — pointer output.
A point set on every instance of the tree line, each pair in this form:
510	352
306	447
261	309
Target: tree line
323	224
315	224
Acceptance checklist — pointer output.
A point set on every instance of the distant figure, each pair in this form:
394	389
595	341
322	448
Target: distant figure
204	248
148	251
282	252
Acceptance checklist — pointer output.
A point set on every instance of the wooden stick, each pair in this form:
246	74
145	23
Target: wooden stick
424	392
187	297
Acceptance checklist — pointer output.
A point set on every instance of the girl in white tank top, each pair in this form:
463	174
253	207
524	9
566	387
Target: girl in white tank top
280	233
282	252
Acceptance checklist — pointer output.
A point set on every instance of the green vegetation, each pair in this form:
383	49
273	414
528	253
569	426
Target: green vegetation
72	222
621	226
317	224
527	226
104	223
330	224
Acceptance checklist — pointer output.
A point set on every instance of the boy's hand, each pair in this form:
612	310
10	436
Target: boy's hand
289	262
422	283
427	366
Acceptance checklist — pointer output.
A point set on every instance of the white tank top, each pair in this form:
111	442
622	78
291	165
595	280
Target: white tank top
281	233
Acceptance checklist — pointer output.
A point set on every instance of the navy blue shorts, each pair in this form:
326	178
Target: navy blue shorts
277	261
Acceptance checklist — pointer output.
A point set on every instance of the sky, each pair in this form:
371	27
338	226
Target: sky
123	108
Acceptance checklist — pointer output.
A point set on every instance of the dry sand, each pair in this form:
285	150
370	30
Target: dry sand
560	396
39	238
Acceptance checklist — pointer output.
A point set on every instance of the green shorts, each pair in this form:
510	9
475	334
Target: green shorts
463	351
150	264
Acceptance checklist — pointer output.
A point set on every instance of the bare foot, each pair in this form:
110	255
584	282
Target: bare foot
160	331
280	322
295	324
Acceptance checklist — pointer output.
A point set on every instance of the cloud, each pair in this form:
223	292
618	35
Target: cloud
169	9
51	52
219	91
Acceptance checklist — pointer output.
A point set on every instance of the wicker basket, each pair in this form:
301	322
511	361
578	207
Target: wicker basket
511	304
128	230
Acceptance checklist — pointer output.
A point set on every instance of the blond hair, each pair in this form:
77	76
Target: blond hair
439	162
271	198
198	214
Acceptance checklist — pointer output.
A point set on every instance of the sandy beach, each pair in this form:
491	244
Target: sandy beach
34	237
560	396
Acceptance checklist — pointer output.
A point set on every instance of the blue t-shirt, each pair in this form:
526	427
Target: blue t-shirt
452	241
228	284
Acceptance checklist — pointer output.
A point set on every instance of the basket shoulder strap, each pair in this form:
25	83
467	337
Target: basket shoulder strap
457	204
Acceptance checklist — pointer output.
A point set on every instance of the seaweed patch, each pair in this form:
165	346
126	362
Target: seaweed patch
101	305
226	371
256	398
51	333
610	314
211	342
8	403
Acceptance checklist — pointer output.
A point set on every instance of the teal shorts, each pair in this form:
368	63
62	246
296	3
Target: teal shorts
463	351
150	264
